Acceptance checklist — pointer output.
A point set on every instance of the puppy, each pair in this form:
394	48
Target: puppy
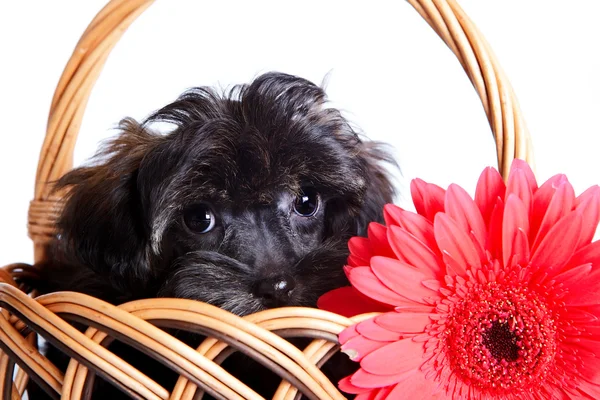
246	204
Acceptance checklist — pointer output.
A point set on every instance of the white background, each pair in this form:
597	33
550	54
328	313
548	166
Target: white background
388	71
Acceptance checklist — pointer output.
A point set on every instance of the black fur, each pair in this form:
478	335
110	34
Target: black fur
247	154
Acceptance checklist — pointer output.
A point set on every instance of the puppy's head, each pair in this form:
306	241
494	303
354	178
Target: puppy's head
248	203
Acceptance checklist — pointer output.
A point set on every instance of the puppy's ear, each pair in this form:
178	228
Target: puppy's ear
379	189
103	224
371	189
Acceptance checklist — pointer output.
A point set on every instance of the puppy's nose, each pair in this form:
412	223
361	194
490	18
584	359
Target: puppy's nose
275	291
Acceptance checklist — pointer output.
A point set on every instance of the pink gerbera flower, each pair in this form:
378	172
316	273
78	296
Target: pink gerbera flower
492	298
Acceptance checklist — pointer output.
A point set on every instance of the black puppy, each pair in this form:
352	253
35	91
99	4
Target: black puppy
246	204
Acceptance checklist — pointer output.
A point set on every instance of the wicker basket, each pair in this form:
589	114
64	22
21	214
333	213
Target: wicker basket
261	335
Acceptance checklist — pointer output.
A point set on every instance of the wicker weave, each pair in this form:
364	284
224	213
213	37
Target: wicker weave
260	335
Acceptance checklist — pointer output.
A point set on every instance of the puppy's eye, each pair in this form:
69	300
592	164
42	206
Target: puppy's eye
199	218
307	203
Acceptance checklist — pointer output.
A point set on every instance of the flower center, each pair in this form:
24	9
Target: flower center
501	342
498	338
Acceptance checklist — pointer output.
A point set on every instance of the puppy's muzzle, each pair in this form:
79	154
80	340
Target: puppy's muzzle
275	291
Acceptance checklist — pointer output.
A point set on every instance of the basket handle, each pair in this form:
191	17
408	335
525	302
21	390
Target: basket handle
446	18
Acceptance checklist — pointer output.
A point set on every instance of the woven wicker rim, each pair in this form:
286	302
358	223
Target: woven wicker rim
259	335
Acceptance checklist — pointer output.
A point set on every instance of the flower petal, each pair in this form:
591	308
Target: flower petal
373	331
522	165
520	248
415	387
347	386
591	372
402	278
375	394
592	390
455	243
394	359
593	327
587	254
463	210
347	334
417	308
366	396
541	201
379	240
558	246
515	227
432	284
365	281
427	198
595	310
360	249
349	302
383	393
585	291
404	322
354	262
413	223
391	214
359	347
560	205
590	345
588	203
494	240
414	252
490	187
519	186
572	277
365	379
